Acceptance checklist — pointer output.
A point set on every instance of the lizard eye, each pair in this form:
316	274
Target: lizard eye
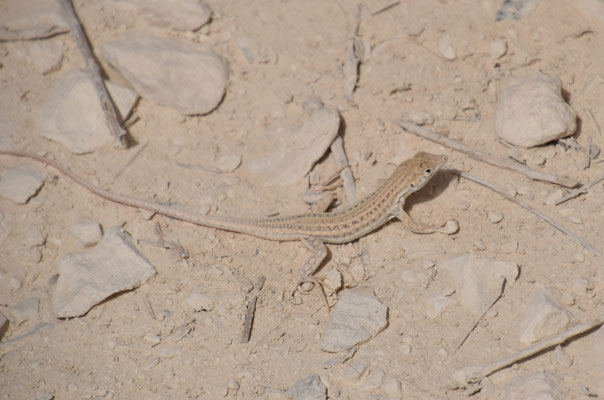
428	170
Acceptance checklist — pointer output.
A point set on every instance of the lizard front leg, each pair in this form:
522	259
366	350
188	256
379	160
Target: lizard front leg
319	252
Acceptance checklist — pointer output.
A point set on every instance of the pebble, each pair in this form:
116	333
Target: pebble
420	118
393	388
439	304
87	232
333	280
408	276
405	348
509	246
562	357
154	340
532	112
355	369
479	245
201	302
463	205
20	184
16	283
178	15
45	56
233	385
495	216
554	197
498	48
309	388
544	317
357	317
444	47
25	310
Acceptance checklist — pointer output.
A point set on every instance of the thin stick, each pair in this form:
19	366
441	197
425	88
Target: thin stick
579	191
593	118
251	309
109	110
531	209
388	7
486	157
339	154
134	157
576	330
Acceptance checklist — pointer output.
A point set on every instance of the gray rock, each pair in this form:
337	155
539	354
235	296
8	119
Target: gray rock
88	232
479	280
201	302
357	317
169	72
309	388
544	318
20	184
87	278
300	147
72	114
45	56
25	310
531	111
37	25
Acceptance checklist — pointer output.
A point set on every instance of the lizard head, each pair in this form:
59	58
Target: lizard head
414	173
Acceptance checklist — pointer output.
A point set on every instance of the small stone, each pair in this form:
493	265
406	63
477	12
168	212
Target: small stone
544	318
25	310
201	302
568	299
233	385
575	219
510	246
479	245
334	280
562	357
405	348
154	340
393	388
421	118
463	205
445	47
16	283
309	388
88	232
451	227
583	285
495	216
578	257
554	197
438	304
498	48
228	163
356	369
427	264
20	184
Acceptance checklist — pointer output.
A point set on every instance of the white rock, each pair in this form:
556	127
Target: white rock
562	357
20	184
498	48
544	318
196	81
495	216
87	278
542	386
299	147
421	118
228	163
357	317
45	56
37	25
201	302
333	280
393	388
531	111
309	388
445	47
179	15
478	280
88	232
72	114
439	304
25	310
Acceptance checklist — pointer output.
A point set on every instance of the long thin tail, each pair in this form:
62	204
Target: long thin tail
224	223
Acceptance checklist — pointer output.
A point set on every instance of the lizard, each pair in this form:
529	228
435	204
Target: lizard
312	229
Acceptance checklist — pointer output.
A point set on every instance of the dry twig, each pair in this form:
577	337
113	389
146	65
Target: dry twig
251	309
486	157
579	191
474	374
109	109
538	213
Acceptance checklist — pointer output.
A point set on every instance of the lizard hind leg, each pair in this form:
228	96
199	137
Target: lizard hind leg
319	252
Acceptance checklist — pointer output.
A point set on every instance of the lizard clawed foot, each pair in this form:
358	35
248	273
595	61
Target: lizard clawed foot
317	283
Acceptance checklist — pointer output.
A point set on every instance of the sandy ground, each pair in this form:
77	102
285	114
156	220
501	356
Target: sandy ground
147	343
